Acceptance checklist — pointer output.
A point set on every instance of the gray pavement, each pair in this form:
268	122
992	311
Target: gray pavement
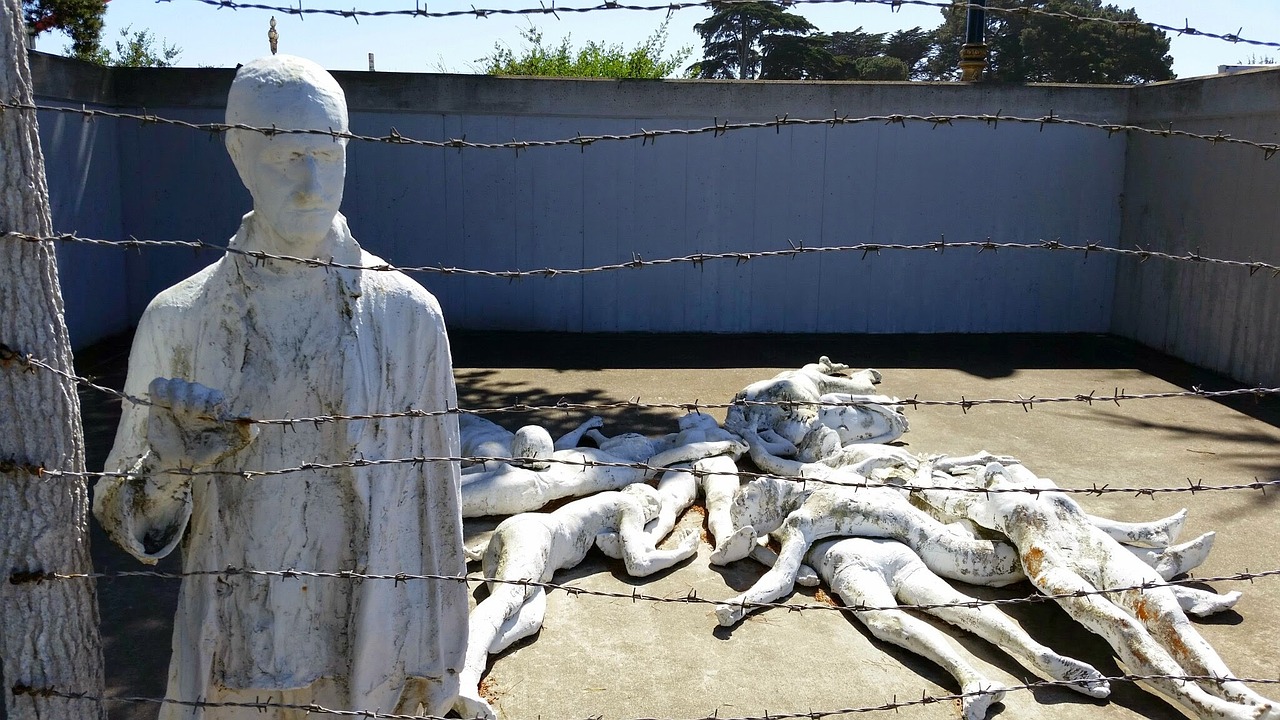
618	658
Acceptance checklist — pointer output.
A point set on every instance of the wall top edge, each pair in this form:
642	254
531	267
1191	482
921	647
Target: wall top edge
1246	93
205	88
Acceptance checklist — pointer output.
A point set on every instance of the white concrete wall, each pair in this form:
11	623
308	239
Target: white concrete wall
752	190
1220	200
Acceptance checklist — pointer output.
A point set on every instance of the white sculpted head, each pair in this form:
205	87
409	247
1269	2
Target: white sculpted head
295	179
532	443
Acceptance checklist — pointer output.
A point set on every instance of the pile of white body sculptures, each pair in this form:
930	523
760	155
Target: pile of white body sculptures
877	524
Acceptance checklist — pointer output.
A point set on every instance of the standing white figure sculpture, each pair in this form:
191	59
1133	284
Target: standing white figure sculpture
275	339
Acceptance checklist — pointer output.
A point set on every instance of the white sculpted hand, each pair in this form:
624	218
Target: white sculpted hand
189	423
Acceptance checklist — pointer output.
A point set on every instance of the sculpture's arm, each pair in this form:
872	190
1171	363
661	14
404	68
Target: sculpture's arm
768	462
677	490
763	554
147	510
638	552
697	451
570	440
780	579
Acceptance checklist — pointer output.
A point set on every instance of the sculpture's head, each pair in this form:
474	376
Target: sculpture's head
649	497
295	179
533	445
697	421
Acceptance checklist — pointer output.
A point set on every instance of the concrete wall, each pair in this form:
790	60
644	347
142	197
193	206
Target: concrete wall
1219	200
569	207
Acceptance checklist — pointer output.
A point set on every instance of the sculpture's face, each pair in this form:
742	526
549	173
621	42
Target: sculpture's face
296	182
295	179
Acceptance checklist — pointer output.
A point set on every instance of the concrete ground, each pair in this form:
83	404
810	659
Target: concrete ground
615	658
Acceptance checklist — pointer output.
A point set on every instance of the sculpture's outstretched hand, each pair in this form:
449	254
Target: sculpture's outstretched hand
190	424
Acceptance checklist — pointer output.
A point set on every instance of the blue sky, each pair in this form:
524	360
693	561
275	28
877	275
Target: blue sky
223	37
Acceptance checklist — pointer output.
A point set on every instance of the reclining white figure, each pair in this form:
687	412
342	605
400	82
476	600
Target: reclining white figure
546	474
862	418
484	438
873	572
856	463
1153	542
1147	628
533	546
798	392
803	516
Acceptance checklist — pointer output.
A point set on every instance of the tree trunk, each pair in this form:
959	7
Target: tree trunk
48	630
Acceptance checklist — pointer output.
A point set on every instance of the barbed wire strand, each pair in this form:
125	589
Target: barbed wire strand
894	704
646	136
30	362
689	598
834	479
738	256
670	7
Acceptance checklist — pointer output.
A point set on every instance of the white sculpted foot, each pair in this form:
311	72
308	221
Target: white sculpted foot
735	547
974	707
731	612
1084	678
1203	603
472	707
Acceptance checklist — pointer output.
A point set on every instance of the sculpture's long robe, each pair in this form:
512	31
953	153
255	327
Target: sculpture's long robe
287	340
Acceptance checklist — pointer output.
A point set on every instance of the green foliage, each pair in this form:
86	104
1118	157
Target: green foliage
855	55
81	20
1036	48
736	33
137	49
594	59
881	67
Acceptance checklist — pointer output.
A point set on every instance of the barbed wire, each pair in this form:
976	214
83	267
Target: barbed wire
894	704
697	259
670	7
584	463
31	363
689	598
716	129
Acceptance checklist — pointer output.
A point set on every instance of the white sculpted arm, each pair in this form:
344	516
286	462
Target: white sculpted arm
188	426
571	439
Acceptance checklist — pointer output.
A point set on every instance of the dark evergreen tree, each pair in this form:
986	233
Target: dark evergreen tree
1031	47
733	36
81	20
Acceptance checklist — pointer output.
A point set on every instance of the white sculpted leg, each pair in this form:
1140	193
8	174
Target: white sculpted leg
861	586
1170	562
1161	614
1158	533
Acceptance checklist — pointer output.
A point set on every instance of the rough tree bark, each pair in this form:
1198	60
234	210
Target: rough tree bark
48	630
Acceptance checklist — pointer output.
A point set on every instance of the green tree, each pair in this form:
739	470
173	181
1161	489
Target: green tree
1029	47
855	55
646	60
734	35
913	47
81	20
137	49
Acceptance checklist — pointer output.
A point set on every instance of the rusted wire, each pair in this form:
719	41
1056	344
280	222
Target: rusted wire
265	706
738	256
689	598
836	479
965	404
646	136
554	10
